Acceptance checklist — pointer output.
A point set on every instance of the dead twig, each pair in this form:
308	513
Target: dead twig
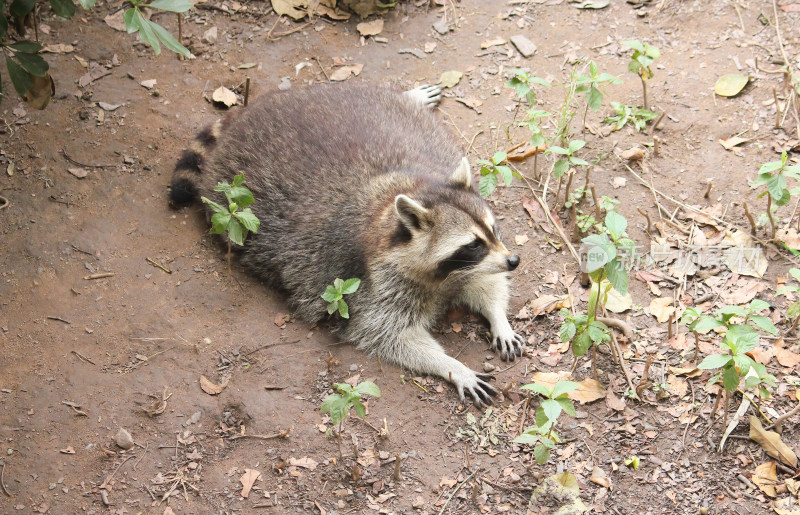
616	323
281	434
99	276
4	203
271	345
622	365
111	476
59	319
273	37
3	481
647	217
76	408
82	357
779	421
158	265
457	488
78	163
750	218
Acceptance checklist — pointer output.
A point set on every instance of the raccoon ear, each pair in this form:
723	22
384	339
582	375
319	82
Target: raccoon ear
462	176
411	213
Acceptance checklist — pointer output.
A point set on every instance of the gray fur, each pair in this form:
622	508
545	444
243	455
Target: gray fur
361	181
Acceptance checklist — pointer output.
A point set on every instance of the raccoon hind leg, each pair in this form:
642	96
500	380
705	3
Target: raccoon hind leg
425	95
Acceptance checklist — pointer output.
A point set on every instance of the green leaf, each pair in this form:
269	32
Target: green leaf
336	406
594	99
567	331
214	206
714	361
560	167
499	157
146	33
351	285
576	145
557	150
132	21
776	184
732	310
236	231
332	307
536	387
633	44
707	323
168	39
21	79
338	284
63	8
757	305
730	378
3	27
742	337
87	4
26	47
248	220
541	453
360	409
506	174
241	195
527	438
597	251
176	6
764	323
220	222
368	388
567	405
562	387
581	344
331	294
344	311
487	185
20	8
617	275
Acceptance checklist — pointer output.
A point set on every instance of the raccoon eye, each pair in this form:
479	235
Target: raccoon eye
476	243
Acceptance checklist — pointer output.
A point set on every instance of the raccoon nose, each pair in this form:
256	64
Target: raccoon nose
513	262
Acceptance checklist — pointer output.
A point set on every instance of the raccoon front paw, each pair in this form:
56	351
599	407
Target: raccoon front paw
426	95
508	344
475	385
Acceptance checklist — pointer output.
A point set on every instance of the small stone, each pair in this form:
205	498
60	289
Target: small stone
210	36
488	367
353	367
123	439
524	46
633	154
441	26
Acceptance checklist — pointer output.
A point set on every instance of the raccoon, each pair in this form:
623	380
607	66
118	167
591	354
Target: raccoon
364	181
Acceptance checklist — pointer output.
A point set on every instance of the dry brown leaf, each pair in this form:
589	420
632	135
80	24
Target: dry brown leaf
68	450
295	9
679	342
662	308
370	28
280	320
765	477
59	48
224	96
248	480
448	482
521	239
344	72
677	386
686	371
306	463
762	355
548	303
614	402
771	442
733	141
618	182
211	388
784	356
588	390
80	173
116	21
40	92
744	293
599	477
492	42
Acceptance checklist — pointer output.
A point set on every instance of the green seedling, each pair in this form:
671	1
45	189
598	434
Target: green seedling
554	402
629	114
522	82
338	405
492	170
740	325
567	158
793	311
334	295
151	33
773	175
592	85
642	57
238	224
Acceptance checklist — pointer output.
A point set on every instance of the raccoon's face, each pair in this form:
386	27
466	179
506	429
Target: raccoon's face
451	233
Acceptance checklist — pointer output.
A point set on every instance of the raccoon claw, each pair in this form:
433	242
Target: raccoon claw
477	388
509	346
426	95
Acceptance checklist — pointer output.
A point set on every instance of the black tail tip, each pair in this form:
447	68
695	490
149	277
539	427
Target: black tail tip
182	192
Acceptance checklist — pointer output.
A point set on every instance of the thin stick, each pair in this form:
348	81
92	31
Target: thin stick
282	434
246	90
78	163
658	121
598	211
707	194
456	490
396	474
3	481
110	477
556	226
622	364
644	91
59	319
750	218
157	265
99	276
569	186
647	217
779	421
180	34
769	214
271	37
777	108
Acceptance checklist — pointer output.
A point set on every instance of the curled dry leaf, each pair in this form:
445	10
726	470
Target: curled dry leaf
370	28
224	96
211	388
521	239
450	78
771	442
599	477
731	84
662	308
306	463
248	480
784	356
68	450
344	72
765	477
548	303
588	390
614	402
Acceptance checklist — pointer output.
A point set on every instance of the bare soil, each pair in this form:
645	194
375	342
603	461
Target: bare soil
82	358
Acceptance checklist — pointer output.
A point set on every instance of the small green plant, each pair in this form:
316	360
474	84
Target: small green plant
793	311
29	72
522	83
542	435
238	224
740	325
629	114
492	170
346	398
334	295
567	158
603	260
642	57
773	175
593	85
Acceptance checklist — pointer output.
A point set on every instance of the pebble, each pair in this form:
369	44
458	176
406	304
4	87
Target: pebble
353	367
210	36
123	439
488	367
524	46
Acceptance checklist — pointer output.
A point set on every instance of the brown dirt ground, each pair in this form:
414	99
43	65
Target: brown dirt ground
144	332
